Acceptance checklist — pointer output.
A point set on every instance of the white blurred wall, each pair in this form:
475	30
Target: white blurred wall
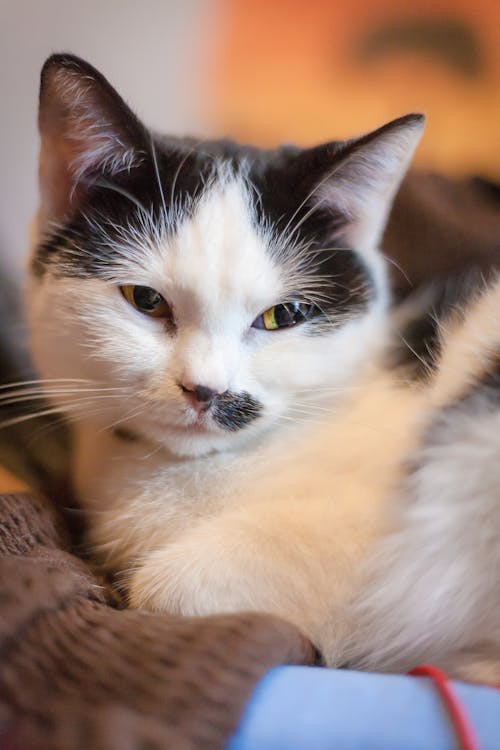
153	51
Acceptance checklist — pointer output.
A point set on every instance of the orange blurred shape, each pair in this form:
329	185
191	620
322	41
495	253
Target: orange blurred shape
290	70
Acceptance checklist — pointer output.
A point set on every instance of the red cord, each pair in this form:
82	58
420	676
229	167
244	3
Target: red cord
459	718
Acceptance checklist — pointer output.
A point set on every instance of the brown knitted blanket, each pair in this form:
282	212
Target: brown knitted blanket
78	673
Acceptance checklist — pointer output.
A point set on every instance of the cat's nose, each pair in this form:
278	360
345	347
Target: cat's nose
201	396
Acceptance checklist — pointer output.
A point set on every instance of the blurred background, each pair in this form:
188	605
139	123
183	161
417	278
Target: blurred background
262	71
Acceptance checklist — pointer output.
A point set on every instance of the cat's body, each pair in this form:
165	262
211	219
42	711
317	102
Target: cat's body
225	464
282	526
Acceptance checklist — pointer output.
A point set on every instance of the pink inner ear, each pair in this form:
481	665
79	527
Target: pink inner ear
71	155
85	129
365	181
59	191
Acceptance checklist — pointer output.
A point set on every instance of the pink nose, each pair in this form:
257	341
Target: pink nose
200	395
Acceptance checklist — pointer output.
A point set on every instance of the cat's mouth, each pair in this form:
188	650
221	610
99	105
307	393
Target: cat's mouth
195	428
229	412
196	422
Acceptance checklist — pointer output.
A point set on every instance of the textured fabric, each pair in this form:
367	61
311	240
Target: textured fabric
78	674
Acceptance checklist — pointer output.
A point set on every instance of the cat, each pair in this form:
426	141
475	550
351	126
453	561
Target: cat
213	319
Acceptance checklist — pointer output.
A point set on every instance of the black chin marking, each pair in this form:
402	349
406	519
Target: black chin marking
233	411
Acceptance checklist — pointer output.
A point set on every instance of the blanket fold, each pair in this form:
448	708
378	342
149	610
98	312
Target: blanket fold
76	672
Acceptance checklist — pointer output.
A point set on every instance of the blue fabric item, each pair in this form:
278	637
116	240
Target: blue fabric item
307	708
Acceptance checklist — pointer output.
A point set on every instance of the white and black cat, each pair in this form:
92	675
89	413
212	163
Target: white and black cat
214	318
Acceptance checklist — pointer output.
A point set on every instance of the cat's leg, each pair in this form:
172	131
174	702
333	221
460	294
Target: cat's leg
274	557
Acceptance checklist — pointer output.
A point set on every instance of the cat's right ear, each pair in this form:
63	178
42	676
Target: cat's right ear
356	180
86	130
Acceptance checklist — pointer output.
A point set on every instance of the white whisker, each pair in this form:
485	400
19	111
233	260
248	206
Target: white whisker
101	182
20	383
157	174
178	171
135	411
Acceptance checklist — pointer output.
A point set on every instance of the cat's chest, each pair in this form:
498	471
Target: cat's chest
341	468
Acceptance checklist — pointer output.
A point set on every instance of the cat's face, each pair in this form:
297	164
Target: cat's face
218	290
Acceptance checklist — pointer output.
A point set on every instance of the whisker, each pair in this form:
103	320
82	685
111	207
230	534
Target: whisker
313	407
64	419
295	420
178	171
332	389
426	365
63	408
157	174
55	424
12	397
20	383
298	414
34	415
399	268
108	185
312	192
152	453
129	415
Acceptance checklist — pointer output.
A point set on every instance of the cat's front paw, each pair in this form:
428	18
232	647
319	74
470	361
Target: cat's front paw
198	575
234	564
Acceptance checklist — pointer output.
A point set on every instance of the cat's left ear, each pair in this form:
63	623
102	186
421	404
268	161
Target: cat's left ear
359	178
86	130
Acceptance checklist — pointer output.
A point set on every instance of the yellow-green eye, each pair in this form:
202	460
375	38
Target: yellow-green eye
147	300
283	316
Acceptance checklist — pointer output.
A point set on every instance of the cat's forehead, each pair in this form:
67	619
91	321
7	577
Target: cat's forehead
220	252
234	231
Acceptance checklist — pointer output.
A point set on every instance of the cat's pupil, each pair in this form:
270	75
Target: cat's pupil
146	298
286	315
294	312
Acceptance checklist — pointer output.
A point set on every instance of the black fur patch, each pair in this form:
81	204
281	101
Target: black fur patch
82	250
280	182
418	340
233	411
284	180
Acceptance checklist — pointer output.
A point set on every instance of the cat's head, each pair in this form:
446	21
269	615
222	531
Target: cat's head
217	288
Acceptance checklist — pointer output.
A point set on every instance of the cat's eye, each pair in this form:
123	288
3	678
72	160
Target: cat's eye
147	300
283	316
